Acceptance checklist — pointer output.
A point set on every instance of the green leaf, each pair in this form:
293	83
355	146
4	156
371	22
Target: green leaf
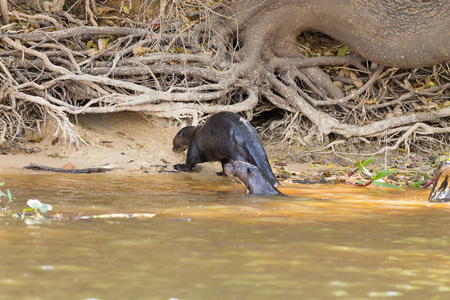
390	172
417	184
2	183
9	194
368	161
91	45
361	165
360	182
37	205
45	207
34	203
342	51
126	10
27	209
387	185
383	173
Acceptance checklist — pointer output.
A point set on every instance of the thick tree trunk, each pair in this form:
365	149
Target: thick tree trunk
396	33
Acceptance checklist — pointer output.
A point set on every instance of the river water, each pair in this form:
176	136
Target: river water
208	240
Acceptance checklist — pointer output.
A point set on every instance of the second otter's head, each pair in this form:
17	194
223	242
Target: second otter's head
182	139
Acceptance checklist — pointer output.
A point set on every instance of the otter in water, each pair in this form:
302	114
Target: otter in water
254	180
224	137
440	192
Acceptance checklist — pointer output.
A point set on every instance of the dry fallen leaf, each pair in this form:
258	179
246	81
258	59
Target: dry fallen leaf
356	81
68	166
140	51
103	10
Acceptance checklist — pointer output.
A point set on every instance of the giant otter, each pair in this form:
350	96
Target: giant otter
254	180
224	137
440	192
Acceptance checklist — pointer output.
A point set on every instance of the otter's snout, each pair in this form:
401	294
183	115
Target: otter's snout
179	149
229	169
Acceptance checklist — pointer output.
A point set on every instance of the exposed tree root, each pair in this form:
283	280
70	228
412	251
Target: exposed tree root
418	128
4	13
191	61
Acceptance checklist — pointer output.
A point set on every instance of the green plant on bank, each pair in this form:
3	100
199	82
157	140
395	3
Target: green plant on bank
374	179
8	195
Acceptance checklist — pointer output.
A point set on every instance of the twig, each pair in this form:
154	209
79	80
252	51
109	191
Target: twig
37	16
38	167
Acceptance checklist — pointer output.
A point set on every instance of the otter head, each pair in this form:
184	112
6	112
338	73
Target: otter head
182	139
243	172
253	179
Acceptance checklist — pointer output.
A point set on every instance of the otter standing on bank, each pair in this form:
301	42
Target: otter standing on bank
224	137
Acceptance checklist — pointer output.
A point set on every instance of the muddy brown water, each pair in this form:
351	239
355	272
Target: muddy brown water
208	240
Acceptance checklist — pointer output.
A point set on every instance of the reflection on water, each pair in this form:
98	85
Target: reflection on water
209	241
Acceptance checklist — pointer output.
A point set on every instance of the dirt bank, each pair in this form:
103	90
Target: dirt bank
133	143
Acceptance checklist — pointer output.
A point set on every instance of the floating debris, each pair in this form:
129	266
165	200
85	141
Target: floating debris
116	216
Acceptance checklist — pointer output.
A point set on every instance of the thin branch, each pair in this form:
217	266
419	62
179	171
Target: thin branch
44	58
